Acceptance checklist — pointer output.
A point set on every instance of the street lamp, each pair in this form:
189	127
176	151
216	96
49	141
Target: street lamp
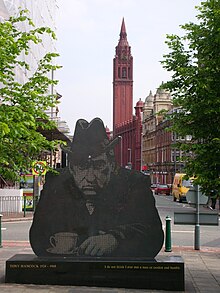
121	148
141	151
129	163
174	134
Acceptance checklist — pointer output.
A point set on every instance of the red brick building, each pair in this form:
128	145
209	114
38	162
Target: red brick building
122	80
126	125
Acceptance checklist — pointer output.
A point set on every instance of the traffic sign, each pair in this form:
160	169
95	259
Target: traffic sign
39	168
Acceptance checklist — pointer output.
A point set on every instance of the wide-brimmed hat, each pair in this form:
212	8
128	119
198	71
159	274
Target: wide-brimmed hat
89	141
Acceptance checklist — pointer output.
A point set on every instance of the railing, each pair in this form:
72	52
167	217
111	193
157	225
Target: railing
17	206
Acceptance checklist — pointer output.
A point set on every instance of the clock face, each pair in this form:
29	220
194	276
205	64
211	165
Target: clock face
124	57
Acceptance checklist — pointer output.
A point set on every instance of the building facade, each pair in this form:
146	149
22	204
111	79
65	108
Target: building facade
157	141
128	151
160	153
145	144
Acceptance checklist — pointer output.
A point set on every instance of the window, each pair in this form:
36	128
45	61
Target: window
119	72
124	72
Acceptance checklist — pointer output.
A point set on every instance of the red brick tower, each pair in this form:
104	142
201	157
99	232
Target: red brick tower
122	81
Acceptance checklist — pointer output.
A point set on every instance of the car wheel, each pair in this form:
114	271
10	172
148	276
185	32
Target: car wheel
180	199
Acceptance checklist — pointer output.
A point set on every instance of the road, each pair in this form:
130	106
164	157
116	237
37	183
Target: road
18	231
182	235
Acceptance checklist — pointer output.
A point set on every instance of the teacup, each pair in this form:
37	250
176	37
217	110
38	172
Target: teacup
63	242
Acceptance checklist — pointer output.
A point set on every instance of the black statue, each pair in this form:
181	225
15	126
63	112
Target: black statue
94	207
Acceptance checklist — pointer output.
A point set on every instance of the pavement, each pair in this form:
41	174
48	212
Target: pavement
202	270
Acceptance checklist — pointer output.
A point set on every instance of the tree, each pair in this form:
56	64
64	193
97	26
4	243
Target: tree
194	63
23	105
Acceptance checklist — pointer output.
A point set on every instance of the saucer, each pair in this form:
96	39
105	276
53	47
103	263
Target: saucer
55	251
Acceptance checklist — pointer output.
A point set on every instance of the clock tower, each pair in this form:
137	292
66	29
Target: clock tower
122	81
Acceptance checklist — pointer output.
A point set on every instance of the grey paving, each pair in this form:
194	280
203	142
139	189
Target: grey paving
202	272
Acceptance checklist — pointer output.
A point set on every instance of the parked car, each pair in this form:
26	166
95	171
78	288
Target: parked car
162	189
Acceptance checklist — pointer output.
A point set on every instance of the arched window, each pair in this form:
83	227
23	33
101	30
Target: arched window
119	72
124	72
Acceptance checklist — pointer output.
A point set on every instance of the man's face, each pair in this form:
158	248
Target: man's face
92	175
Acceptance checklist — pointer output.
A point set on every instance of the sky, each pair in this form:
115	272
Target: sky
87	34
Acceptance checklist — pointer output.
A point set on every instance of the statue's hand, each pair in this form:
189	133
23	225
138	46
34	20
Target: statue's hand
98	245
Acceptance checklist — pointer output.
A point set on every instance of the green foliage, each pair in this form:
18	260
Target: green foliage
194	62
23	105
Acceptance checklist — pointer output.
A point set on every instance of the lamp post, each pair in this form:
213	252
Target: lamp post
51	117
129	163
121	145
197	226
174	154
141	151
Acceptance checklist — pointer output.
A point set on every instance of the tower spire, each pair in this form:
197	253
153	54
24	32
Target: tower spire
123	35
123	29
122	81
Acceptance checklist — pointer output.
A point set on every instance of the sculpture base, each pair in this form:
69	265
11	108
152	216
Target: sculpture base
164	273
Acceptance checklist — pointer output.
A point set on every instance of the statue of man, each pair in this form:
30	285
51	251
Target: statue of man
94	207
